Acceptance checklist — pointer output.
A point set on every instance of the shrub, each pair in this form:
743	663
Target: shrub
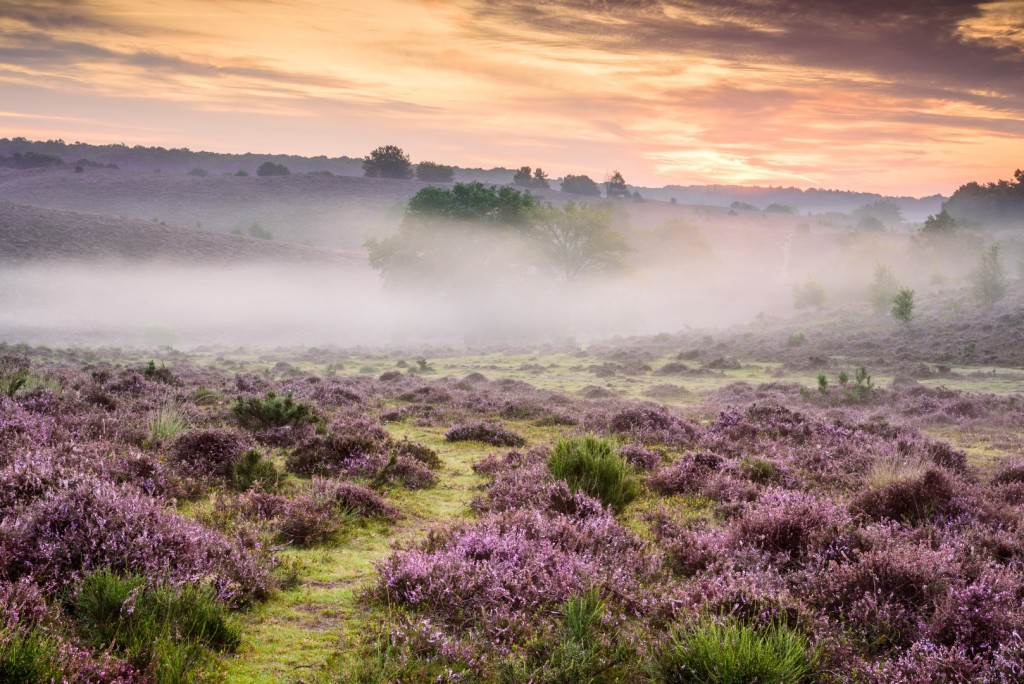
336	452
387	161
686	476
903	305
489	433
308	520
161	629
269	168
909	501
989	278
652	425
353	498
252	469
396	469
431	172
883	288
69	533
716	651
640	457
810	293
591	465
211	452
580	185
272	412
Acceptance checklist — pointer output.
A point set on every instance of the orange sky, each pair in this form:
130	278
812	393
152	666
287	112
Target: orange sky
783	92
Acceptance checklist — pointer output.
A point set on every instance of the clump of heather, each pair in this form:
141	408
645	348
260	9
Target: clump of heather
640	457
331	454
646	424
494	464
688	475
793	526
211	452
489	433
68	533
356	499
500	576
932	495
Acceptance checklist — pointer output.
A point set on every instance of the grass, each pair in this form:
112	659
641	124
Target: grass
166	631
167	422
590	464
730	652
28	657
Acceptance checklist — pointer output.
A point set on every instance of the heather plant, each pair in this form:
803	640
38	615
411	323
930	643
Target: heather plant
910	501
163	630
647	425
308	520
727	651
210	452
489	433
335	452
273	411
590	464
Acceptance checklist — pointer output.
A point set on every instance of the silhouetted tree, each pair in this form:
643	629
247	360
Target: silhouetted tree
580	185
540	179
389	161
616	186
523	176
431	172
579	239
939	224
272	169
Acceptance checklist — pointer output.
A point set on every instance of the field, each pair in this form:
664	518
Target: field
229	453
403	517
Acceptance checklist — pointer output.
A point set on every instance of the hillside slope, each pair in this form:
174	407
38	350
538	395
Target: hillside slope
33	234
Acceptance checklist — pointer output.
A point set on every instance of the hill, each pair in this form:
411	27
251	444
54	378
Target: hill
32	234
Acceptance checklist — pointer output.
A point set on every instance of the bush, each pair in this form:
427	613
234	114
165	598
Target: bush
252	469
335	453
490	433
581	185
308	520
272	412
903	305
989	278
29	656
727	651
431	172
388	161
211	452
909	501
271	169
591	465
808	294
164	630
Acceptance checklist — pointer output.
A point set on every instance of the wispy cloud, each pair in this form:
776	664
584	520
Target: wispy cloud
919	95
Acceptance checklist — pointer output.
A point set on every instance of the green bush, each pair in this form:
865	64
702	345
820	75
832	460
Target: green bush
272	411
166	631
28	657
252	469
730	652
591	465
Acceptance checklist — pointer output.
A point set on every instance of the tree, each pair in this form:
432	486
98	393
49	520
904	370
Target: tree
474	202
989	278
883	288
269	168
580	185
939	224
431	172
523	176
809	293
579	239
388	161
616	186
903	305
540	179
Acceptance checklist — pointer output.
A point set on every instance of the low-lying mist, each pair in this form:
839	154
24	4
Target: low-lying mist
267	306
676	276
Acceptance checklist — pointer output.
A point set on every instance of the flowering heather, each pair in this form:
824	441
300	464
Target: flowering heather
646	424
489	433
210	452
640	457
356	499
68	533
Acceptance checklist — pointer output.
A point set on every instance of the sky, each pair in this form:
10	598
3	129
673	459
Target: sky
909	97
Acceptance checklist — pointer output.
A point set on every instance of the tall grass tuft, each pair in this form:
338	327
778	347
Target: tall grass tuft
164	630
731	652
27	657
167	422
590	465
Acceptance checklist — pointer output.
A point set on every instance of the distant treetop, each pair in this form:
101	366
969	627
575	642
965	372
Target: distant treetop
389	161
580	185
271	169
